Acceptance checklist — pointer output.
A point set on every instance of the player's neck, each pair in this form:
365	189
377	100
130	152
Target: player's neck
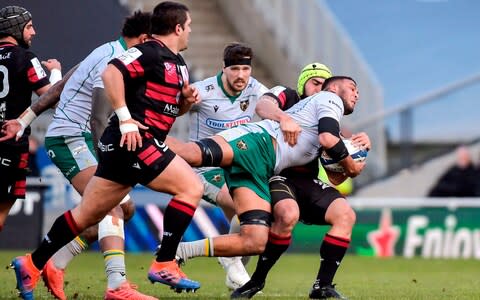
168	40
9	39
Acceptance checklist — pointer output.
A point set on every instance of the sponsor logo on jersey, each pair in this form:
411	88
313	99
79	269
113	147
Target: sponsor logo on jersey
215	108
242	145
335	103
5	56
37	66
209	88
130	56
225	124
244	104
171	75
171	109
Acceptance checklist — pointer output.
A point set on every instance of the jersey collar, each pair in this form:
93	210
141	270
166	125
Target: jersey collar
122	42
220	84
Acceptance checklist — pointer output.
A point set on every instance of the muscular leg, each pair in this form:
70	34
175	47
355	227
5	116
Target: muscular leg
100	196
336	241
286	214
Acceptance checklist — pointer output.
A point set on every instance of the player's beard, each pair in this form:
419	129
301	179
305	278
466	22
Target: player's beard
233	88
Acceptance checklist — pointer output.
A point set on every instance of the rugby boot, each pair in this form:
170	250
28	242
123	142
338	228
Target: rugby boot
53	279
169	273
248	290
236	274
126	291
324	292
27	275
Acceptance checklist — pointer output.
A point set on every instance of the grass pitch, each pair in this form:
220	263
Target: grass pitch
291	278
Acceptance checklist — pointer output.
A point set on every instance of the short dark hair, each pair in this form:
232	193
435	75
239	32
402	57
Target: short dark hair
137	24
237	51
166	15
332	79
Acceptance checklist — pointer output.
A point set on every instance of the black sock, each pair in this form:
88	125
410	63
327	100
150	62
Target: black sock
63	230
178	215
275	247
332	251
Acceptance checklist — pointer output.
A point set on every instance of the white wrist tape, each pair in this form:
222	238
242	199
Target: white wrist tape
123	113
55	76
128	127
26	119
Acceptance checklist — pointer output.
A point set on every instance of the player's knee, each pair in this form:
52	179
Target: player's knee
255	243
286	215
211	153
194	190
346	218
110	226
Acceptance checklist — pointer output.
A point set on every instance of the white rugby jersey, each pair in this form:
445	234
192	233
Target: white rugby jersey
306	113
218	111
72	115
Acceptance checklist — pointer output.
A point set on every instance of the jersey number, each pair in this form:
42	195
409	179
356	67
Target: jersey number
4	88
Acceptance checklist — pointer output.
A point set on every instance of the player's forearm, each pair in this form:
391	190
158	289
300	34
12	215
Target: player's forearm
51	97
267	109
101	110
114	87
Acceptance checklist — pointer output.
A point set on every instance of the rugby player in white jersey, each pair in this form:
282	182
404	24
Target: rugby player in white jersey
252	153
82	111
228	100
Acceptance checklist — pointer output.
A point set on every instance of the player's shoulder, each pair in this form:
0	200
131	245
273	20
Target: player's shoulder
207	85
255	86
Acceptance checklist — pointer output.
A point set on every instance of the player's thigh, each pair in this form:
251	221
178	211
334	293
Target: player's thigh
246	199
100	196
340	211
178	179
80	180
73	155
314	197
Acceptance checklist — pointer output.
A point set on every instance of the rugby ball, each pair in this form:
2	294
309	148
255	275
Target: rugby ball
356	153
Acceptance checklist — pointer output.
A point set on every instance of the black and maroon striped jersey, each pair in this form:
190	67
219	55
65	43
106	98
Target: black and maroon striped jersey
21	73
285	96
154	77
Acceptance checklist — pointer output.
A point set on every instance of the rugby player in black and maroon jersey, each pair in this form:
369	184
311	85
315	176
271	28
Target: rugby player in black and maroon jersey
148	88
20	73
298	194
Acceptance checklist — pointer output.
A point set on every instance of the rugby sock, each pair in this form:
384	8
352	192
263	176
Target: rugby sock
275	247
202	247
63	256
332	251
178	215
114	267
63	230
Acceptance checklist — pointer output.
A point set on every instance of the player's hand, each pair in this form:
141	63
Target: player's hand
11	129
190	94
361	140
130	134
51	64
290	129
336	178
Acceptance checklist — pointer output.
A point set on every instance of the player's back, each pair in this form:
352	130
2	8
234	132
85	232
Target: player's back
72	115
219	111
